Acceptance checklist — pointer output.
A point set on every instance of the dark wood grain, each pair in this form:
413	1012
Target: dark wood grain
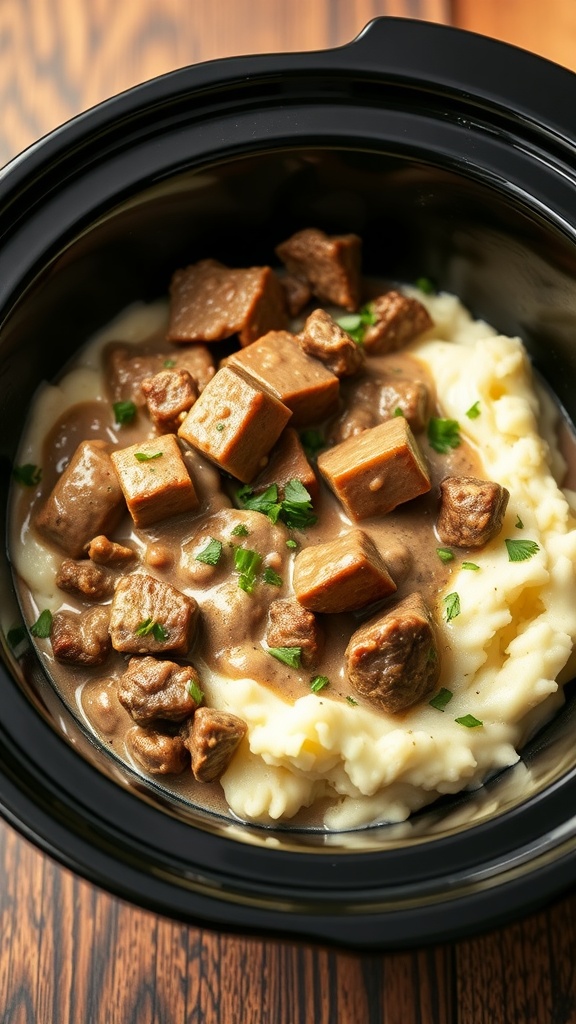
69	953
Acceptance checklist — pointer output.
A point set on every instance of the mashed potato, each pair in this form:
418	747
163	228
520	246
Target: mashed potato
504	656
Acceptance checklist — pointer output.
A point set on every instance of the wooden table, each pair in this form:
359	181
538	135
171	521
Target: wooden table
70	954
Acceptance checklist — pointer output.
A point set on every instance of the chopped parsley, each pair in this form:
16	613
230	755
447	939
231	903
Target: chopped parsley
271	577
441	699
355	324
444	554
124	412
195	692
149	626
144	457
469	721
291	544
43	625
474	411
521	550
318	683
220	426
247	563
210	555
289	655
398	411
519	524
471	565
443	434
426	285
29	475
312	441
295	510
169	364
452	606
240	531
15	636
351	701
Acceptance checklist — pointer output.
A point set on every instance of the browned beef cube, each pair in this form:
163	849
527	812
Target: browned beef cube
210	302
169	395
87	499
393	659
152	689
235	423
212	738
398	321
408	398
155	480
81	639
326	341
330	264
84	579
369	401
125	367
156	752
297	293
151	617
342	575
471	511
197	359
291	625
377	470
278	363
107	552
287	462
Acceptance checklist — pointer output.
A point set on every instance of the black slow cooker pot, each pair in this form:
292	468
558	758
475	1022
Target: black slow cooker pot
454	157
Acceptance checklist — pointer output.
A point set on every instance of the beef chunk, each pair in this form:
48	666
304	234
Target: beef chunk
87	499
197	359
126	366
169	395
156	752
277	363
235	422
151	617
152	689
341	576
107	552
210	302
287	462
471	511
212	738
329	264
291	625
326	341
297	293
81	639
155	480
398	321
393	659
377	470
368	402
84	579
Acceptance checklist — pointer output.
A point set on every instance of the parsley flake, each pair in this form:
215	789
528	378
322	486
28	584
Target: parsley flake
519	524
351	701
240	531
318	683
124	412
444	554
452	606
443	434
291	544
295	509
247	563
469	721
43	625
312	441
169	364
398	411
521	550
144	457
471	565
220	426
271	577
29	475
355	324
149	626
426	285
474	411
441	699
210	555
288	655
195	692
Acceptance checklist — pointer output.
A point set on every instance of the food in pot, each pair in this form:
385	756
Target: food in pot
317	571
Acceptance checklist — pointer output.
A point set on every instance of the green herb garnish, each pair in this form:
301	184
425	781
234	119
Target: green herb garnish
351	701
441	699
521	550
43	625
29	475
474	411
289	655
318	683
195	692
519	524
15	636
240	531
452	606
149	626
444	554
443	434
426	285
355	324
398	411
471	565
469	721
124	412
169	364
144	457
267	503
210	555
220	426
295	510
312	441
247	563
271	577
291	544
